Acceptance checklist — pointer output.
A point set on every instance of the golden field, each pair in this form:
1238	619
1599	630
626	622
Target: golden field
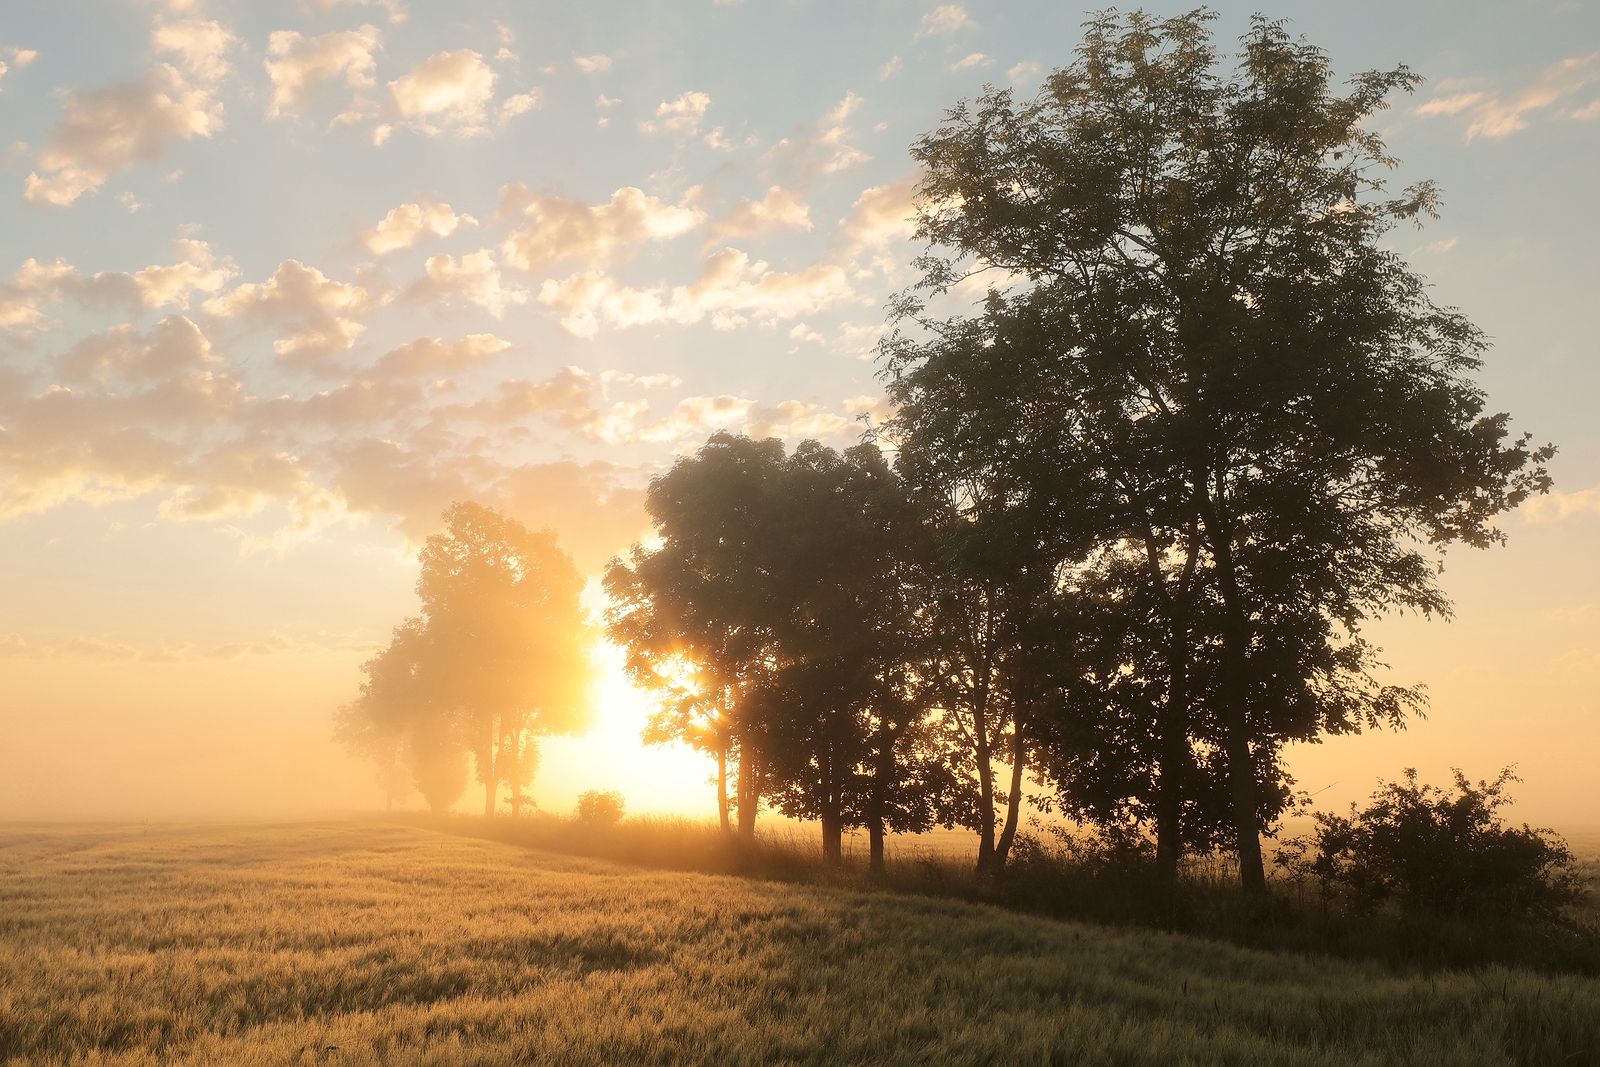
358	943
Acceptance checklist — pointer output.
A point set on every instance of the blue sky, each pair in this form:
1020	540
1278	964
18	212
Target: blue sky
233	396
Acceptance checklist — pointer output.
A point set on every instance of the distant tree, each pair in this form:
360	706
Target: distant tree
1423	849
507	648
401	719
600	808
694	613
1205	357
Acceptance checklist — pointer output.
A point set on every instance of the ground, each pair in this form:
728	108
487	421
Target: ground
372	943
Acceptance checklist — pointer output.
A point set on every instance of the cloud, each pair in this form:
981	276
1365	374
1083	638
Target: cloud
519	104
298	65
945	20
404	225
474	279
26	295
971	61
560	229
201	46
20	57
823	147
595	64
1495	115
681	115
430	357
1557	506
320	315
732	291
173	348
780	209
883	213
103	131
448	90
894	66
393	8
1023	72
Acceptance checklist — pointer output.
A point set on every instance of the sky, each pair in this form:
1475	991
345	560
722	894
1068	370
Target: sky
281	280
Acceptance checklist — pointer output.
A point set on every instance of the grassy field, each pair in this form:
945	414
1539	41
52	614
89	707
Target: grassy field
352	943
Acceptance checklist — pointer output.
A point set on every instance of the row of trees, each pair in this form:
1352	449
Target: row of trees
1204	426
497	657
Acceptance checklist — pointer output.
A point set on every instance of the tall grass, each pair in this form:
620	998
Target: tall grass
1075	883
385	944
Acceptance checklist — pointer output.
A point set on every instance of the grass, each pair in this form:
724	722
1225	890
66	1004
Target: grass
381	943
1045	879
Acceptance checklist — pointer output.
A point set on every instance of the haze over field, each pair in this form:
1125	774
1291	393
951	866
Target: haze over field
279	282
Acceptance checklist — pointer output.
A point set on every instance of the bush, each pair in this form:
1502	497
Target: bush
600	808
1423	850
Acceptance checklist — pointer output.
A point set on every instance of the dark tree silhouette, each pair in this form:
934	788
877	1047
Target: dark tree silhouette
1201	353
694	614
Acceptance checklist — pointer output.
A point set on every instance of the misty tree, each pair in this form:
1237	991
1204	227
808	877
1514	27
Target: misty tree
1197	338
507	649
693	613
400	723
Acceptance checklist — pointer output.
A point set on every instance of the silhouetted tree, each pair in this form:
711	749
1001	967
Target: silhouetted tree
694	613
1204	353
600	808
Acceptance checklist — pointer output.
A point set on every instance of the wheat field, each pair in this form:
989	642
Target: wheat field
373	943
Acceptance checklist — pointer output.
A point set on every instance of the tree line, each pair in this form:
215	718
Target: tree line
1135	506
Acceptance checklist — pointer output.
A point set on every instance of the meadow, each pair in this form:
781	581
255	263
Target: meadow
387	943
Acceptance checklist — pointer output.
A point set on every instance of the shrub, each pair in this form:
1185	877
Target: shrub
1425	850
600	808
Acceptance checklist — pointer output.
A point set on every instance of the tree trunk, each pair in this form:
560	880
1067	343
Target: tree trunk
980	723
491	786
832	837
722	788
1019	759
749	792
1235	719
875	862
1173	724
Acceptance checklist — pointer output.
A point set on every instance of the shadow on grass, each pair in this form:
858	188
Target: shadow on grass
1057	884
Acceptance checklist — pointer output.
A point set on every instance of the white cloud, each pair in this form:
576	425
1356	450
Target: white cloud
297	65
944	20
594	64
894	66
404	225
320	316
430	357
1494	115
200	45
559	229
103	131
779	209
393	8
446	90
883	213
27	295
519	104
1557	505
1023	72
970	61
732	291
475	279
823	147
680	115
20	57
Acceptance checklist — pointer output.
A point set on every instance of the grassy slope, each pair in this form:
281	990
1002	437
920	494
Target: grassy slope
384	944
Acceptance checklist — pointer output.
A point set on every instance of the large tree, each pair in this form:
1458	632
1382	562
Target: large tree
1202	341
694	613
504	644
